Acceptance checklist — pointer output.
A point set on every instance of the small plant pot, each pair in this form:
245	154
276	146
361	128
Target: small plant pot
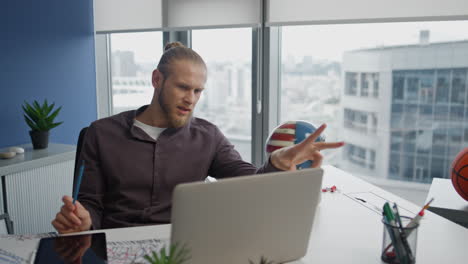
40	139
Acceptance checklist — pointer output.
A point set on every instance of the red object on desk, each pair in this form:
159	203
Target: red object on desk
459	172
331	189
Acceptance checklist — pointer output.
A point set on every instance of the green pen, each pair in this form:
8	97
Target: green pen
397	243
389	213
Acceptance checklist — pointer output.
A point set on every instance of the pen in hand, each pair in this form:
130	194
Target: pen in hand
78	181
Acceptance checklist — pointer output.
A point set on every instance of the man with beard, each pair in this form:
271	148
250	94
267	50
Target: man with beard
135	159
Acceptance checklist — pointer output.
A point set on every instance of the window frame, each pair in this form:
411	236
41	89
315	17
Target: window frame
266	75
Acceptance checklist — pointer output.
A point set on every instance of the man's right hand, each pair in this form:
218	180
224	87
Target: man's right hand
72	217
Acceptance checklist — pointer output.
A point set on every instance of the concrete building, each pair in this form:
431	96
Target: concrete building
405	109
123	64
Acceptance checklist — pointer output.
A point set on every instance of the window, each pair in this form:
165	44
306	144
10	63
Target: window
360	156
426	92
394	167
420	120
360	121
364	85
356	154
413	87
133	58
422	169
458	86
398	86
372	159
374	123
396	141
443	88
375	84
351	83
226	101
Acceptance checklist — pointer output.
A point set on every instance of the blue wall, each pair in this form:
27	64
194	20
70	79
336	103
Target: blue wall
46	52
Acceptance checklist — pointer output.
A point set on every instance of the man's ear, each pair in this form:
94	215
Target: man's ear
157	79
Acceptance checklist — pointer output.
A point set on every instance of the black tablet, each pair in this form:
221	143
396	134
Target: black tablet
85	249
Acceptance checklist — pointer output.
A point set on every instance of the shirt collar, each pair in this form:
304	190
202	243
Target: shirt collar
138	133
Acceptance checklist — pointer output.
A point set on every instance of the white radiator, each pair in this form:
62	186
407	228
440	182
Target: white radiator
35	196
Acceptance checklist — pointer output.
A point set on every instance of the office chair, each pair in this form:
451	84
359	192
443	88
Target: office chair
79	145
6	225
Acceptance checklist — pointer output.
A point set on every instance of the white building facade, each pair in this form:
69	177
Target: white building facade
405	110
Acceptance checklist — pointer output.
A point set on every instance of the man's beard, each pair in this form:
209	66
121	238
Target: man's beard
175	121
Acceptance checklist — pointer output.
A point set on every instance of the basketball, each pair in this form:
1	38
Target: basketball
291	133
460	173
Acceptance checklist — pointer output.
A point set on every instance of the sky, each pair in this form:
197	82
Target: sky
327	42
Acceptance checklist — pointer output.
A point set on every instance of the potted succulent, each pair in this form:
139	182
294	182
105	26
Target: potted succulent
263	260
180	255
40	118
176	255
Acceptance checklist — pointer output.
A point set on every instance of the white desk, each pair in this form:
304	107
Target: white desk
447	202
345	231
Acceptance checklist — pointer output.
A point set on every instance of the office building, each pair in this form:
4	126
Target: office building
123	64
405	109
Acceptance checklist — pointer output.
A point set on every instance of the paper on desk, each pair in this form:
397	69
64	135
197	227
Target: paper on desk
17	249
375	202
122	252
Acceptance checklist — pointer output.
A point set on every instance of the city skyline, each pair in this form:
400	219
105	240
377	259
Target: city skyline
312	89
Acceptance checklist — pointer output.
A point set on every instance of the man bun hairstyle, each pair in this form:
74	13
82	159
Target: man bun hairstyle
174	44
175	51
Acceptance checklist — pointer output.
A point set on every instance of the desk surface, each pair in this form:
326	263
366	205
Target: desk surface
347	230
445	196
447	202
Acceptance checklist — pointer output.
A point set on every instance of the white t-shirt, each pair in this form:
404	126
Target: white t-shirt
152	131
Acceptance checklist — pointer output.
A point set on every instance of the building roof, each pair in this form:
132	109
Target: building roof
429	45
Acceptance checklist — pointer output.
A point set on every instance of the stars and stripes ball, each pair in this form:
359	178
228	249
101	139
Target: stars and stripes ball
291	133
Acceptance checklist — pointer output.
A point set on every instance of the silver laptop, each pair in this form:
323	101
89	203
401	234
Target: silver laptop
245	218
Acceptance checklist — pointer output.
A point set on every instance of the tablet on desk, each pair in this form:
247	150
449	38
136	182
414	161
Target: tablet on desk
86	249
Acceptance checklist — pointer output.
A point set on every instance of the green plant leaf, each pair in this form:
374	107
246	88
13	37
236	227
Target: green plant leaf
32	113
176	255
54	125
28	113
44	107
30	123
263	260
50	108
38	108
42	125
38	115
149	259
50	119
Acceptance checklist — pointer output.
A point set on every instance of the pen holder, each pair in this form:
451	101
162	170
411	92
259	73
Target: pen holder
399	244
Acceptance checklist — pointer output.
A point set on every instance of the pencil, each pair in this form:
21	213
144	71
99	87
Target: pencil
78	182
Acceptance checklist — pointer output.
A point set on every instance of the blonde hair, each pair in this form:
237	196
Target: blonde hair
175	51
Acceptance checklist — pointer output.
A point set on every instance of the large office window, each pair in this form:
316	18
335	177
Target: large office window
226	101
133	58
397	98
